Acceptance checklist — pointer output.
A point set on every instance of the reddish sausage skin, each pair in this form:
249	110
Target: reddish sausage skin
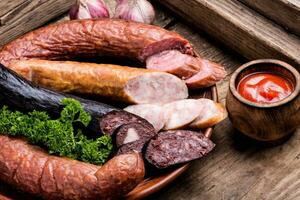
91	38
32	170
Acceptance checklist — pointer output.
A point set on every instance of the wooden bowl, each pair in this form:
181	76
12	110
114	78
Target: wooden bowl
264	122
154	183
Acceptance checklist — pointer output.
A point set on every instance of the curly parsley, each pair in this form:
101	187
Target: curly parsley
58	135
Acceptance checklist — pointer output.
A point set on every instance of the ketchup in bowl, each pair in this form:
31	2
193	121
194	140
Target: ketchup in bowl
265	87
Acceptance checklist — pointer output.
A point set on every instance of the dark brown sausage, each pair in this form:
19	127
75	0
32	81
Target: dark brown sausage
91	38
113	120
136	146
176	147
132	132
30	169
126	84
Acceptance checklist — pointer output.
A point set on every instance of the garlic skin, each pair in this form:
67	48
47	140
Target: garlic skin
135	10
87	9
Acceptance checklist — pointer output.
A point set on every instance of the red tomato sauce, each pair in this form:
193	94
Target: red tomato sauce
265	87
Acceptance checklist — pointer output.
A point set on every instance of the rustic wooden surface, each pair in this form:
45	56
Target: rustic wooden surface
20	16
238	168
240	28
287	12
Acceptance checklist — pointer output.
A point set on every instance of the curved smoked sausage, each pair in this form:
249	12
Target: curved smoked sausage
32	170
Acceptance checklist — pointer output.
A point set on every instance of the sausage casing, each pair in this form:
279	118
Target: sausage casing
91	38
126	84
32	170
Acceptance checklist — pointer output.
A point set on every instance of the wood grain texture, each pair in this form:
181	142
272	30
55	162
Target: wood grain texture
240	28
284	12
20	16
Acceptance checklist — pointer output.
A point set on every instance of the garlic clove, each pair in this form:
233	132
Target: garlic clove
135	10
98	9
86	9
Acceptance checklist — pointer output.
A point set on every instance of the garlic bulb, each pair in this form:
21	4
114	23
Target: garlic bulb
86	9
136	10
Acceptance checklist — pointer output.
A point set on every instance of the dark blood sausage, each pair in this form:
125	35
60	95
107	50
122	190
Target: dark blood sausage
136	146
20	94
91	38
113	120
132	132
175	147
32	170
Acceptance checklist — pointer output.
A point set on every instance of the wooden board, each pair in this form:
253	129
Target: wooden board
20	16
240	28
284	12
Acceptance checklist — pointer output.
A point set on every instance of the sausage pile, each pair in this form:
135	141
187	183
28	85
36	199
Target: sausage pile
161	92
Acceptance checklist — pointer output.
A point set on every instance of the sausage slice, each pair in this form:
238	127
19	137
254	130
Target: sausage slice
175	147
212	114
132	132
196	72
181	113
113	120
151	112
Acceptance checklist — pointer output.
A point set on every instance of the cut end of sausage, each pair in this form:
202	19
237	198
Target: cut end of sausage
114	119
177	43
196	72
212	114
209	75
174	62
181	113
151	112
156	87
175	147
132	132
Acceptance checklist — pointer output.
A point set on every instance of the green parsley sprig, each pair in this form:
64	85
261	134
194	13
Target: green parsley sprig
58	136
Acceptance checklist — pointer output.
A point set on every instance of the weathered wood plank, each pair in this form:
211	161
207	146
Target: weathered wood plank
28	15
239	27
8	5
283	12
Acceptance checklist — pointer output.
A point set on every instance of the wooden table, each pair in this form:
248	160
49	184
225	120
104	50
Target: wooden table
238	168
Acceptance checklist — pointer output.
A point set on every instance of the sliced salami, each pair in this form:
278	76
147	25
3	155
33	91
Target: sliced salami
132	132
175	147
151	112
114	119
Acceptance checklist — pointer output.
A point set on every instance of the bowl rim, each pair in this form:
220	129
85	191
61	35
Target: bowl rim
279	63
